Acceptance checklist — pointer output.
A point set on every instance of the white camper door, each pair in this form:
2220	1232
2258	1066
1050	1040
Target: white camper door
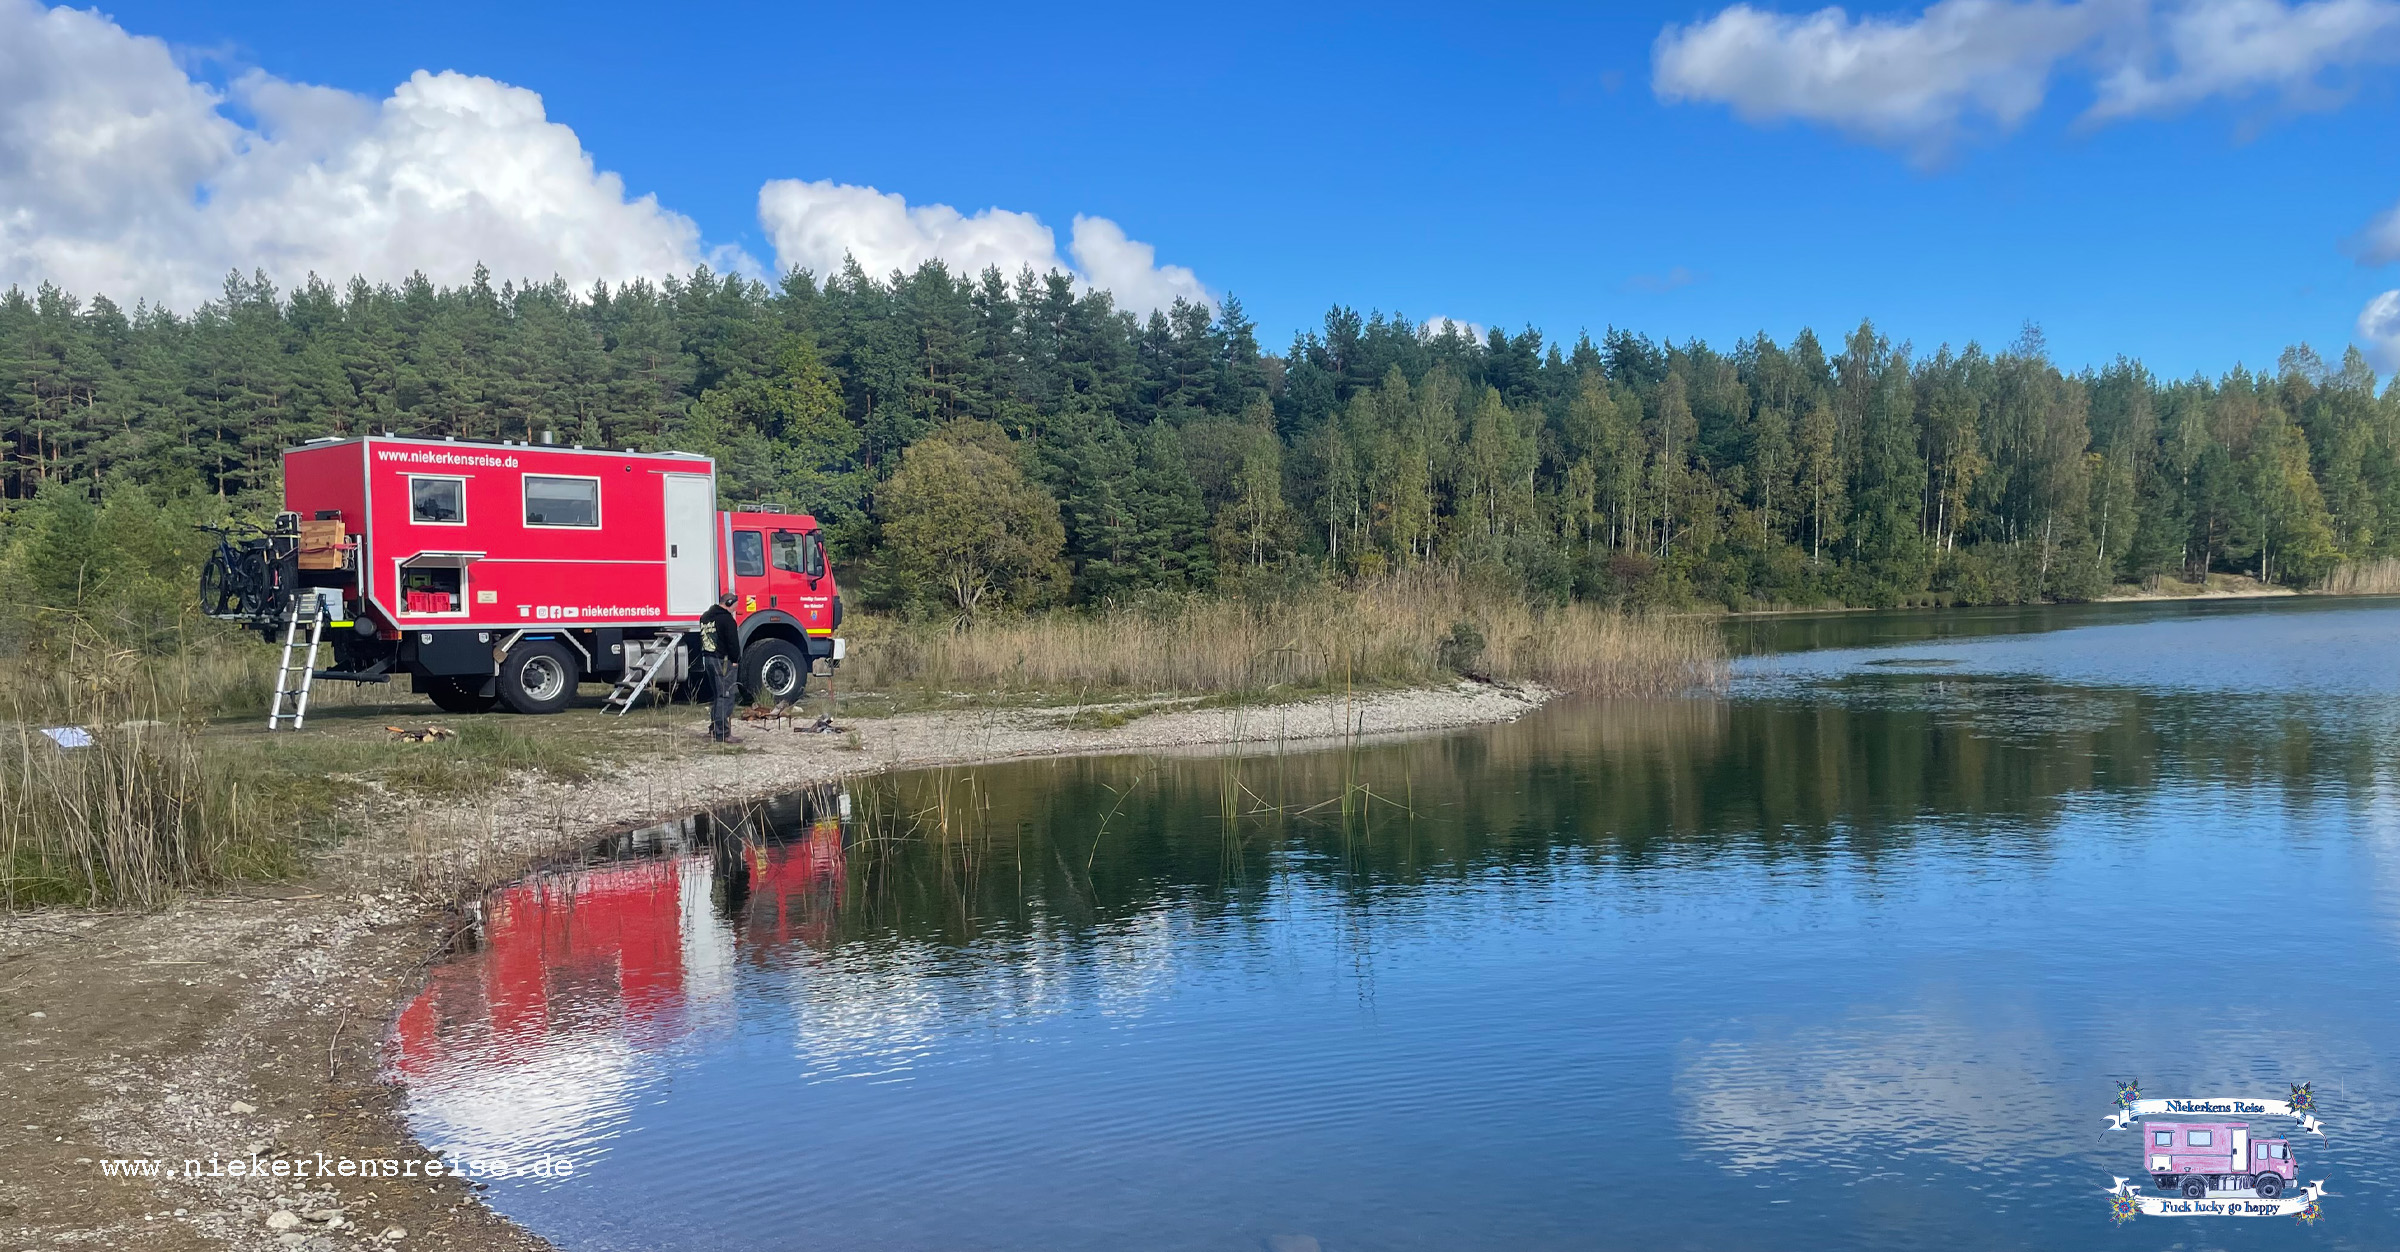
691	544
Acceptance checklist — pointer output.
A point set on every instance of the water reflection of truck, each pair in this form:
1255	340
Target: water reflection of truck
626	949
2196	1158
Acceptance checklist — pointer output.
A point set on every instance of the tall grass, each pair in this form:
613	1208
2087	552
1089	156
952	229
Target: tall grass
1422	626
2365	578
143	810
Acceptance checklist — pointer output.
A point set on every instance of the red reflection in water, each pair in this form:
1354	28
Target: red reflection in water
615	948
795	891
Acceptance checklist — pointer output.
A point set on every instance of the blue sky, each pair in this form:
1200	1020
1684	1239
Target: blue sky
1505	167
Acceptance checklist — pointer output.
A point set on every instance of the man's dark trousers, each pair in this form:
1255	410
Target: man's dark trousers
720	698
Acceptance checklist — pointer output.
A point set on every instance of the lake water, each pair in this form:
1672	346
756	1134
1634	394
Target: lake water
1852	958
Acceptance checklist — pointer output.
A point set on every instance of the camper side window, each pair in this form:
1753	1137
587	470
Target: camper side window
562	501
749	554
2162	1138
2197	1138
437	501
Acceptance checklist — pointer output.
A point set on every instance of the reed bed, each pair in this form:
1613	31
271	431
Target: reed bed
2365	578
143	810
1426	626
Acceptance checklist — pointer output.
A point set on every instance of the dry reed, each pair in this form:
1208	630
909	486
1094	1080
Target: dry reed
2365	578
140	811
1424	626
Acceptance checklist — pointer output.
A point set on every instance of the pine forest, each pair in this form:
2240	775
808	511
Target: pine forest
1086	454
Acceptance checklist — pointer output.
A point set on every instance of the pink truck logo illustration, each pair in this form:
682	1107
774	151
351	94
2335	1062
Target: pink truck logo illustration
2196	1158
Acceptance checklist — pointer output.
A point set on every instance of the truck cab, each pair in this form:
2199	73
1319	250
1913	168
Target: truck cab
2195	1158
785	601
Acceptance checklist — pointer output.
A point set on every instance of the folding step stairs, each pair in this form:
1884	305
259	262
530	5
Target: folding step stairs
641	669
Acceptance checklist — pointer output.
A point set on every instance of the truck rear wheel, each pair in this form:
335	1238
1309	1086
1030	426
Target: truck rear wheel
774	672
2195	1188
538	677
460	695
2268	1186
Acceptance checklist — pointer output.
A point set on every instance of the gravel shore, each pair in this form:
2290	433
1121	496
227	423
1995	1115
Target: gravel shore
250	1025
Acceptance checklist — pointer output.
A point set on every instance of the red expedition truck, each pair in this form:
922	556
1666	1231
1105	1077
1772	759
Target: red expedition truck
508	573
2196	1158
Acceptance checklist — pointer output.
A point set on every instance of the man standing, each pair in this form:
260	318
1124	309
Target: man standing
719	638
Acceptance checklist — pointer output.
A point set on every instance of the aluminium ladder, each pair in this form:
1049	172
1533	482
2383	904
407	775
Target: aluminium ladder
629	689
310	602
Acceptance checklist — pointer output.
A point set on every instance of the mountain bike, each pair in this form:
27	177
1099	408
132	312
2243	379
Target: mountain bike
244	579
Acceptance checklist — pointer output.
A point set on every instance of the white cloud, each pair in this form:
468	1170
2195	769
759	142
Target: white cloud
814	225
1917	83
2379	326
1907	83
2192	51
2379	243
119	174
1436	327
1129	268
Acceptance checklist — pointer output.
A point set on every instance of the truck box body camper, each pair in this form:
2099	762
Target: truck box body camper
456	535
508	573
2198	1157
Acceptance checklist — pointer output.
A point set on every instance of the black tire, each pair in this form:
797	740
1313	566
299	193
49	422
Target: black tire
2268	1186
212	586
774	672
2194	1187
539	676
459	695
252	579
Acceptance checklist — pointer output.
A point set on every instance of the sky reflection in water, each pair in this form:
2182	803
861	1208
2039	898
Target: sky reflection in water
1849	960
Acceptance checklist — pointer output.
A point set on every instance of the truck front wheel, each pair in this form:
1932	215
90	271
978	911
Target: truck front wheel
2195	1188
538	677
774	672
2268	1186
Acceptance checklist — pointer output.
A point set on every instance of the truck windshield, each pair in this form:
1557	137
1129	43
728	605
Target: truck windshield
749	554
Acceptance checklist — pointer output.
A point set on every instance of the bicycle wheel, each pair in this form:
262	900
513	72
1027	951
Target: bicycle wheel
212	585
252	579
